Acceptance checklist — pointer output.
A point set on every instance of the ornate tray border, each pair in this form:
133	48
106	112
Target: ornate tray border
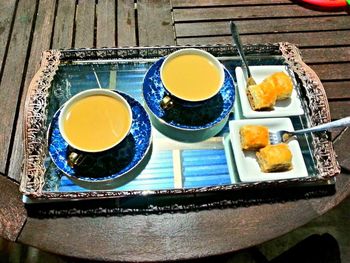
32	178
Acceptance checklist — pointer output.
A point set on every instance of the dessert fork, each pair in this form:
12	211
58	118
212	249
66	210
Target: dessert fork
284	136
237	40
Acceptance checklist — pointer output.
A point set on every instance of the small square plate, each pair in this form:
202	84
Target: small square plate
246	161
288	107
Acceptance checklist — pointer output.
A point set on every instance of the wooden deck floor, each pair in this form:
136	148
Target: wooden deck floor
27	27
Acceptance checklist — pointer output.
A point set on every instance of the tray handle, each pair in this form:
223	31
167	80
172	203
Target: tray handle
318	109
34	128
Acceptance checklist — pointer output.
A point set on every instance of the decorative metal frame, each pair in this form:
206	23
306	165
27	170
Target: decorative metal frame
35	119
35	145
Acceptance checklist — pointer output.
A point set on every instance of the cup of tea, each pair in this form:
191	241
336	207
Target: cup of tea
190	76
93	121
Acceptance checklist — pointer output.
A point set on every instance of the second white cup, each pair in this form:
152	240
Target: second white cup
191	75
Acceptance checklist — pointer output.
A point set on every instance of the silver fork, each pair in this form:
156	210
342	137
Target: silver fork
284	136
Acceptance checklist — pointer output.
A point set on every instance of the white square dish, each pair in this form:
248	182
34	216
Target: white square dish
288	107
246	161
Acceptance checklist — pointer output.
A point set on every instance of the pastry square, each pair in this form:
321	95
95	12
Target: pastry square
262	96
246	162
281	83
287	107
254	137
275	158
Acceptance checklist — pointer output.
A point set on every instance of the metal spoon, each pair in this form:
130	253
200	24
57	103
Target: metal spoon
237	41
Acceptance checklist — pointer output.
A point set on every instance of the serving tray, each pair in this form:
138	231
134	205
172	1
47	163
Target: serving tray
181	172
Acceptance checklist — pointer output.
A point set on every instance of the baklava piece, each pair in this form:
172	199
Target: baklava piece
262	96
254	137
281	83
275	158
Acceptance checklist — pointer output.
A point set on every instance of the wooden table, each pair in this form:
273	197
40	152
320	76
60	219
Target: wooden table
27	27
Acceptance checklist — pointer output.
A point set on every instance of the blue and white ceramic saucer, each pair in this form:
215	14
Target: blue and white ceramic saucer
108	165
183	123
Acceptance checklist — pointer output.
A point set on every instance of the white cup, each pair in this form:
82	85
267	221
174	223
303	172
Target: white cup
94	92
173	95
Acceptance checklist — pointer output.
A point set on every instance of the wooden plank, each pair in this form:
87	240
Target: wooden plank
247	12
278	25
85	18
302	39
324	55
106	25
6	15
126	24
193	3
341	146
337	90
13	71
335	133
64	22
12	211
339	109
41	41
155	23
336	71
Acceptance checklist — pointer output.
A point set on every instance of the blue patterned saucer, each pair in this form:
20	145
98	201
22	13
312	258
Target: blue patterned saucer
183	123
111	164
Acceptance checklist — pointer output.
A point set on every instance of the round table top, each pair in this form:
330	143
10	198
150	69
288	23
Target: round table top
174	236
167	236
